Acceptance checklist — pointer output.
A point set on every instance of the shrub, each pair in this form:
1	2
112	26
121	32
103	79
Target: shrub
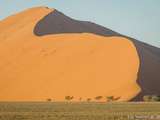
147	98
69	98
112	98
48	99
151	98
98	97
80	99
89	99
155	98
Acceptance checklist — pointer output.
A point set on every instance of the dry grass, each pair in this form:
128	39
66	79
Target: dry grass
79	111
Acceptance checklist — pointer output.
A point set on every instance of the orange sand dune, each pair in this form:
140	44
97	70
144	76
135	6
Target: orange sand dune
81	65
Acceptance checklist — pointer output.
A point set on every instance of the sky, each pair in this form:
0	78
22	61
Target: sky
139	19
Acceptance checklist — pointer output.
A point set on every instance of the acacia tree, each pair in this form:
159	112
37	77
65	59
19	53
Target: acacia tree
98	97
112	98
89	99
116	98
155	98
69	98
48	99
147	98
80	99
151	98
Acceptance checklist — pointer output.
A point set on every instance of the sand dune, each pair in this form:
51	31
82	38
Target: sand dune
148	76
45	54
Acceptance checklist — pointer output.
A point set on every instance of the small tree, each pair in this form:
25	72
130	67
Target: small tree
80	99
98	97
151	98
89	99
116	98
147	98
155	98
48	99
69	98
110	98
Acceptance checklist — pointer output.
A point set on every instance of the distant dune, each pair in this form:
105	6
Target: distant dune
45	54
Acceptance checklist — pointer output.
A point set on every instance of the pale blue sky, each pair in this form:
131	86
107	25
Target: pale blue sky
136	18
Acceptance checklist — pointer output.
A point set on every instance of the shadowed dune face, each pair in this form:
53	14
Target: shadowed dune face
148	77
53	66
39	60
57	23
